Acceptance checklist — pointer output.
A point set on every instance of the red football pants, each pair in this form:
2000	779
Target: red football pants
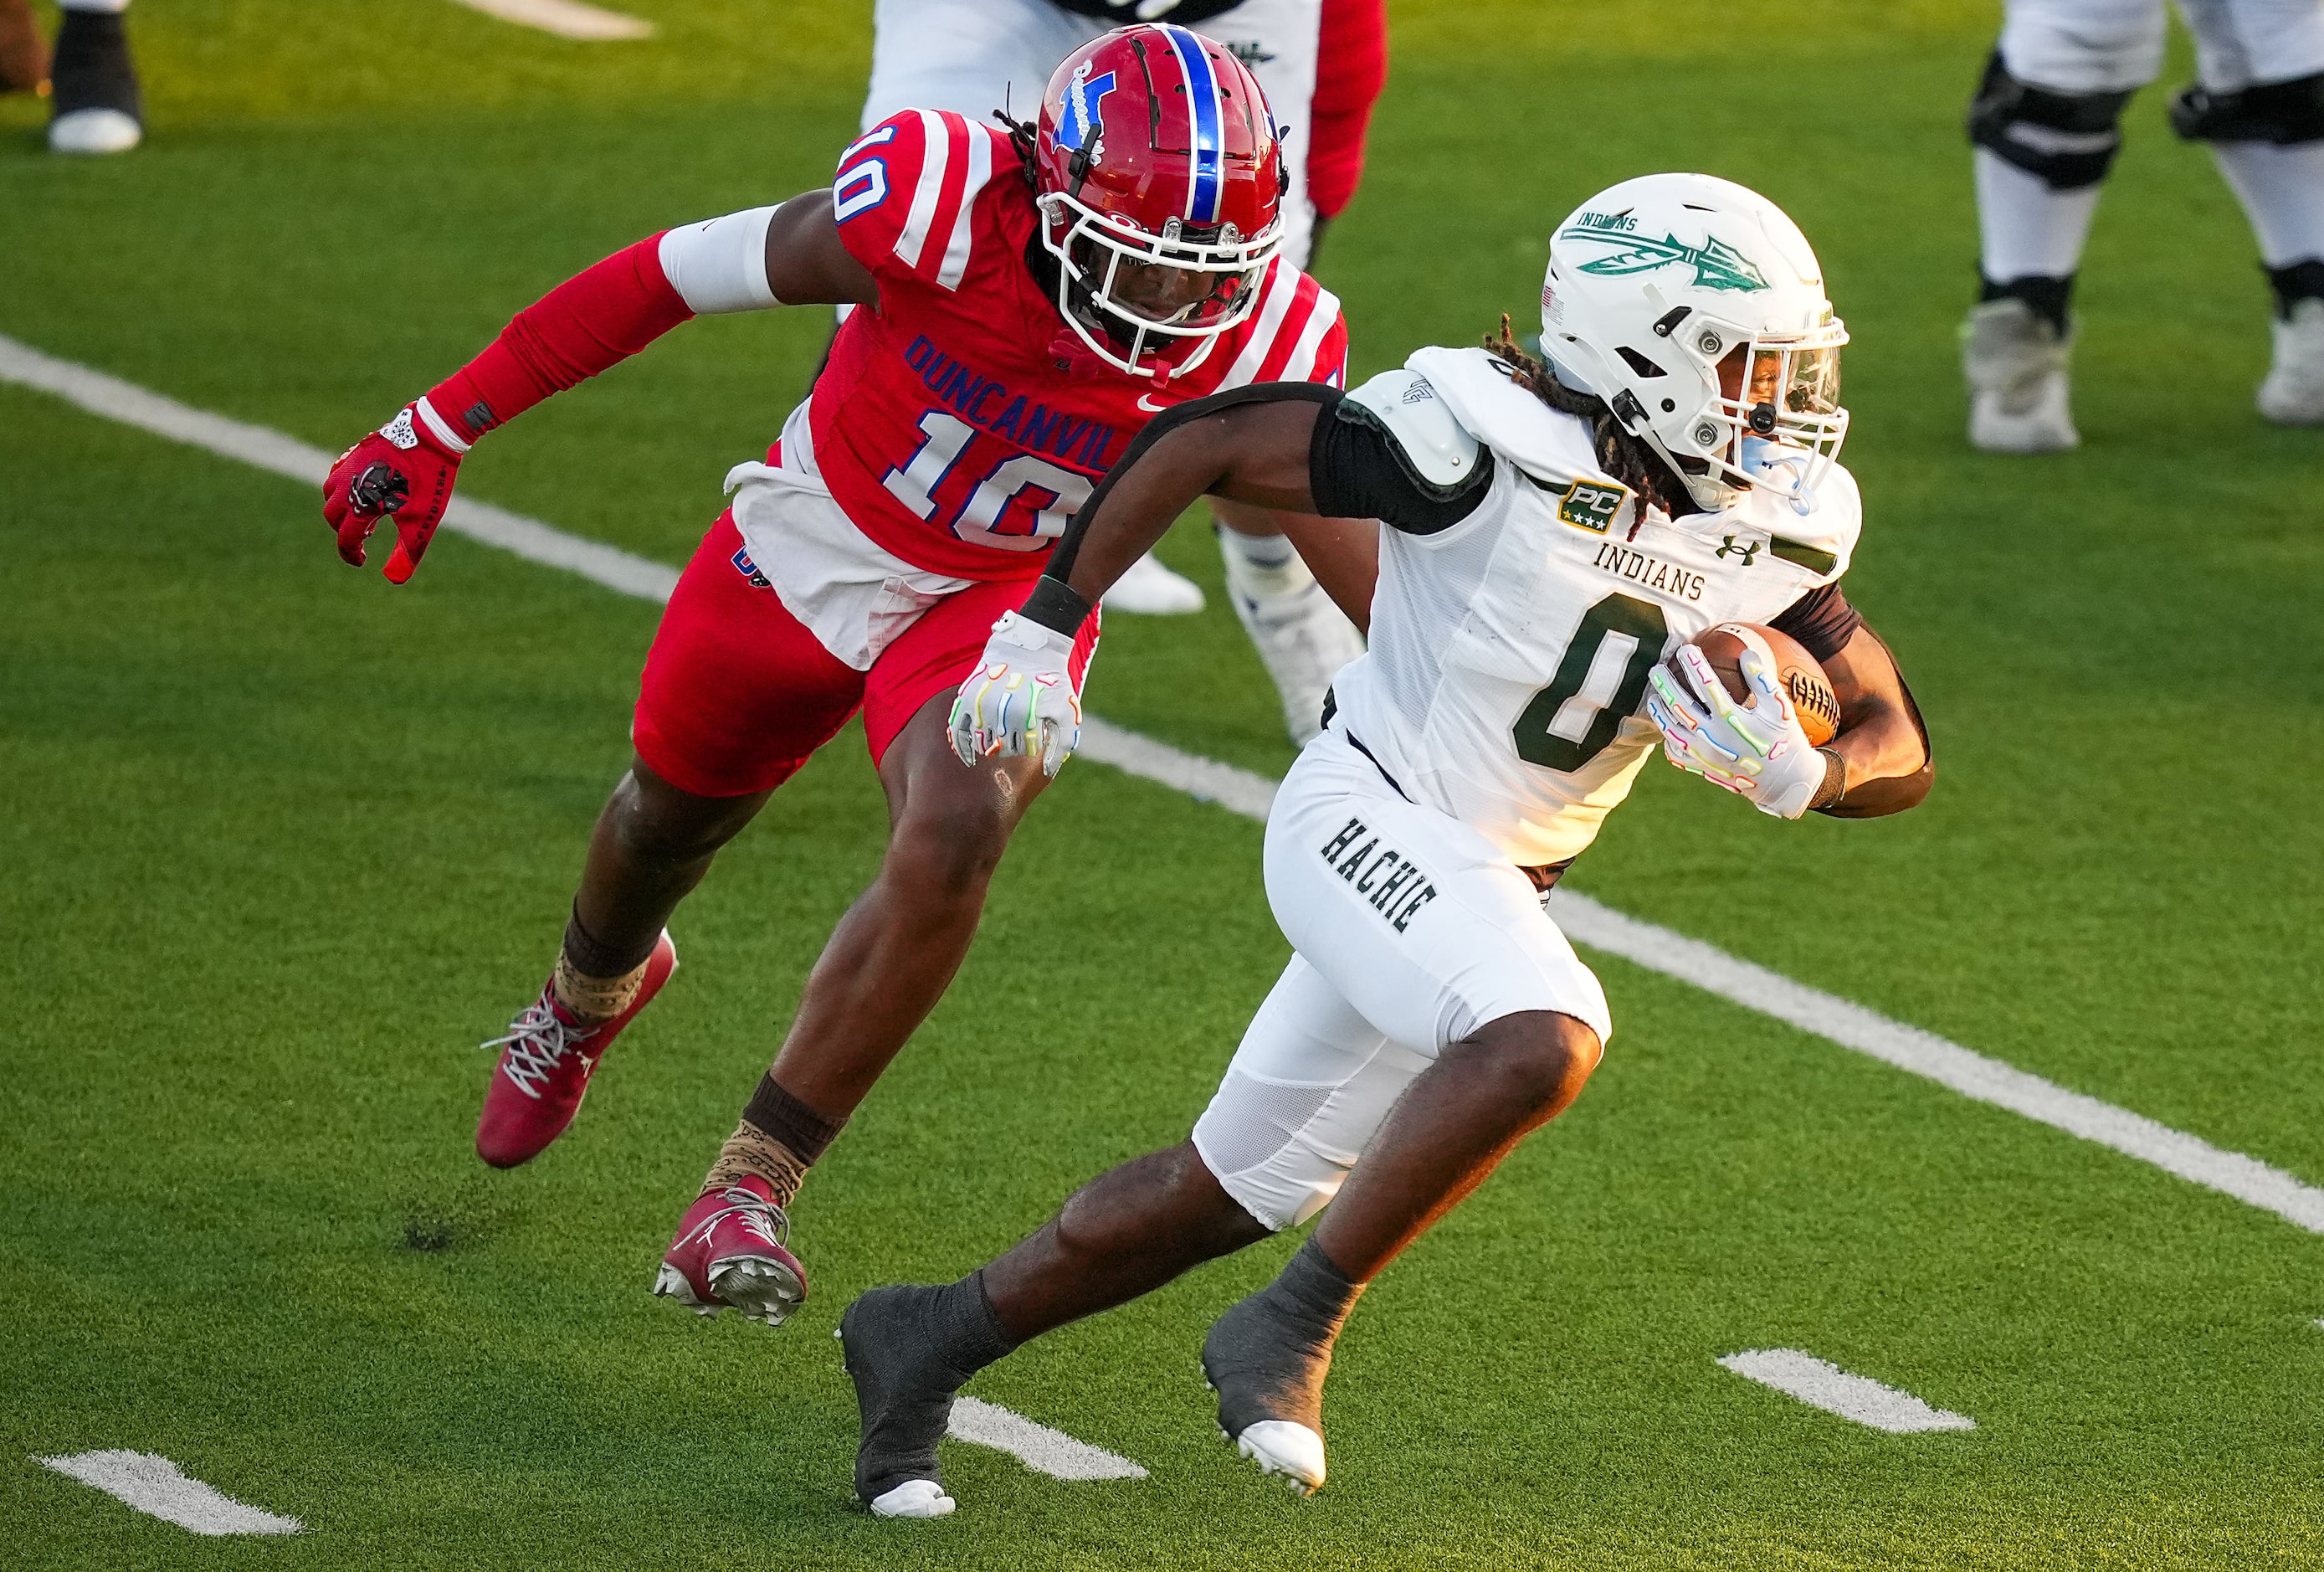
737	693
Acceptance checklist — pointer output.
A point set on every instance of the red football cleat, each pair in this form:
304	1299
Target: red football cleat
544	1070
729	1253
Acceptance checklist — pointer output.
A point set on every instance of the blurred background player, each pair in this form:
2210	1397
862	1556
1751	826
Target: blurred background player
94	104
1322	64
1031	298
2045	123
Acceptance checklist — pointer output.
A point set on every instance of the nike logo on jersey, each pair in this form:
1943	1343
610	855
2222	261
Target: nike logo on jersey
1145	401
1393	884
1651	571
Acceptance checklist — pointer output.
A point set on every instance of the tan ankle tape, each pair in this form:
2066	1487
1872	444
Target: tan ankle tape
596	998
752	1153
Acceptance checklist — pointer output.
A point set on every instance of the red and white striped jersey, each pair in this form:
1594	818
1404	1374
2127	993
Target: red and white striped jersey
959	423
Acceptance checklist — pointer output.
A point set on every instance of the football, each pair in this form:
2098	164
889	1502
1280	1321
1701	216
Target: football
1800	674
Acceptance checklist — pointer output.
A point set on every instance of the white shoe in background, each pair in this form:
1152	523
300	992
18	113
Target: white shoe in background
1150	589
2294	393
1301	636
2015	361
93	131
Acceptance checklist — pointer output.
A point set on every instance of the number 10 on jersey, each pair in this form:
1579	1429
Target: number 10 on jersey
1020	503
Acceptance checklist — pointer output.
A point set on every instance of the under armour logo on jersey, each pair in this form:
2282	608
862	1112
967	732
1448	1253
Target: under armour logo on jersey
399	430
1392	884
1746	552
1083	116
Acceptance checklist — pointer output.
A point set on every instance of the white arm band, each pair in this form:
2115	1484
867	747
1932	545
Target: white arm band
720	264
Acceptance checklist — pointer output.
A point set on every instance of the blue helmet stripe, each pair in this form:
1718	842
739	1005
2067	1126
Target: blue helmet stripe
1207	188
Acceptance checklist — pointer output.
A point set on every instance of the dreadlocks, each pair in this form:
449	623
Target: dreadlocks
1619	453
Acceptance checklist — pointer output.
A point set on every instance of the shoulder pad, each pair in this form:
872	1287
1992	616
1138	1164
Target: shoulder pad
1822	539
1505	416
1404	403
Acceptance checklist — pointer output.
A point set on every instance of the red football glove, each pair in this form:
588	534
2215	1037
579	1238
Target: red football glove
404	470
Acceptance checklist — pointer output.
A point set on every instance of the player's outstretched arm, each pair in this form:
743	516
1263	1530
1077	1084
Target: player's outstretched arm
786	255
1248	445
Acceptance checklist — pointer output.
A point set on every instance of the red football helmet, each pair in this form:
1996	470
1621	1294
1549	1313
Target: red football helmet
1155	147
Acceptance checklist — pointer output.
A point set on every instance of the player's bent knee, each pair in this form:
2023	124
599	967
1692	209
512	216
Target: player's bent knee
659	822
1546	1055
949	850
2066	140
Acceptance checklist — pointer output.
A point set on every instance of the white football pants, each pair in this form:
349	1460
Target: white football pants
2116	46
1412	931
973	56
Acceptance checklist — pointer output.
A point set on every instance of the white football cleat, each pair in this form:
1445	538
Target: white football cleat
2294	393
915	1498
2015	361
1301	636
1150	589
94	131
1281	1447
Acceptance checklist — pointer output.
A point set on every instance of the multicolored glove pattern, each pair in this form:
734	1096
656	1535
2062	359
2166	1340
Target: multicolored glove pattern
1758	750
1021	700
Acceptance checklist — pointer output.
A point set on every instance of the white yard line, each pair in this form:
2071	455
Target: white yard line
564	18
1828	1387
155	1487
1659	949
1038	1447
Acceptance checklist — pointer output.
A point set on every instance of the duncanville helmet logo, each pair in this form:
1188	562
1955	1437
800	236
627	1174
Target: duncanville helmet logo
1083	118
1716	265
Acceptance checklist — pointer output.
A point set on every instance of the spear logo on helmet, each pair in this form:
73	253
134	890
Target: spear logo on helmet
1717	265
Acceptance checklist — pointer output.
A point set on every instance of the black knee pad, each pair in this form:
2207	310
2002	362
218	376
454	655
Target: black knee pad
2282	113
2049	298
2067	140
2301	281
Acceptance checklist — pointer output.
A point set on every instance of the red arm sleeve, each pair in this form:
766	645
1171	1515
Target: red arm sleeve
1350	70
594	319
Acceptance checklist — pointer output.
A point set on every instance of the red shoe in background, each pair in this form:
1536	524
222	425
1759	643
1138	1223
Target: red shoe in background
729	1253
544	1069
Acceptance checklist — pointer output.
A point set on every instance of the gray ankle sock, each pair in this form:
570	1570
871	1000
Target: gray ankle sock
1267	1356
909	1350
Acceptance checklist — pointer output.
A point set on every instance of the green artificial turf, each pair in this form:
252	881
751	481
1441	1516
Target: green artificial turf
283	842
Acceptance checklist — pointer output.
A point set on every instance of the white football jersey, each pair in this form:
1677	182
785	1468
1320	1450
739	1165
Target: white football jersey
1506	678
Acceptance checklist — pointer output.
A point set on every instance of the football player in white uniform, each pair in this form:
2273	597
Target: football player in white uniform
972	56
1554	533
2045	125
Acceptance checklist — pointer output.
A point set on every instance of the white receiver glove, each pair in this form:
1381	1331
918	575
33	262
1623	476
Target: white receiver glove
1021	699
1759	751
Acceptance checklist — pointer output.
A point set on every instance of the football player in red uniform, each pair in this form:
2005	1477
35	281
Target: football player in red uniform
1321	64
1032	297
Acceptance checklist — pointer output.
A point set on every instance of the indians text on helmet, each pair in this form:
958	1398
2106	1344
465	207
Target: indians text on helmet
1716	265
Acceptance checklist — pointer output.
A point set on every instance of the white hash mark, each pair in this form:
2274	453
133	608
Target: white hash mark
156	1486
564	18
1826	1386
1038	1447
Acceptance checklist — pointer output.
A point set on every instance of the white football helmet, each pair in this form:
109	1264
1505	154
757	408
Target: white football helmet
1696	309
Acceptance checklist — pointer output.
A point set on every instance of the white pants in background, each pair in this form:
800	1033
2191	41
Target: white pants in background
973	56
